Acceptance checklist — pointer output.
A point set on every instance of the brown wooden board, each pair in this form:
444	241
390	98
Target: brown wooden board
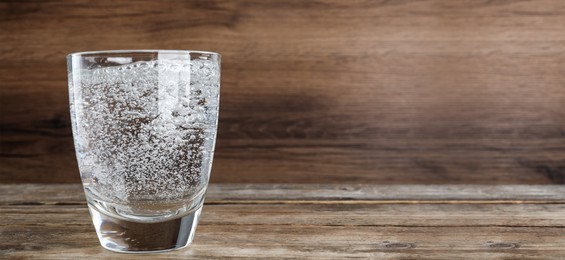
53	223
54	194
405	92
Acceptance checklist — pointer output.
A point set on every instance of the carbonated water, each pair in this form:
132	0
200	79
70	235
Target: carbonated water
144	135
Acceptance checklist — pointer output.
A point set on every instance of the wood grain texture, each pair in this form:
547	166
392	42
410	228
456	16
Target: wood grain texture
34	194
405	92
61	228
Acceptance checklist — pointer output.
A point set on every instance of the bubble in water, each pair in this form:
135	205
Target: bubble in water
145	131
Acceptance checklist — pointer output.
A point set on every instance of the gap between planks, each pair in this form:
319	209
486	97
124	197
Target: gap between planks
323	202
224	202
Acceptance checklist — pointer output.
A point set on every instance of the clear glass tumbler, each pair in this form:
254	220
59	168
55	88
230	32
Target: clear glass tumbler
144	127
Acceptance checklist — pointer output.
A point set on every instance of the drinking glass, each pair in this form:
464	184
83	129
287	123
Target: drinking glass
144	127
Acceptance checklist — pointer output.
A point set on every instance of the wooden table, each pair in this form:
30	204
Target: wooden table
312	221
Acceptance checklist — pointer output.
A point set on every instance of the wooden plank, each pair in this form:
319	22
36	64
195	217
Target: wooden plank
41	194
49	232
382	92
65	194
320	192
51	222
397	215
311	242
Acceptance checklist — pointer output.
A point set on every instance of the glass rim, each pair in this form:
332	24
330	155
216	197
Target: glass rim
141	51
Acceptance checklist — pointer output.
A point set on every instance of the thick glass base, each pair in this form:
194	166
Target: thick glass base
125	236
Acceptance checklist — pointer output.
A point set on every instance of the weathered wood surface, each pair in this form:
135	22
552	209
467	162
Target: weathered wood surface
406	92
237	193
53	223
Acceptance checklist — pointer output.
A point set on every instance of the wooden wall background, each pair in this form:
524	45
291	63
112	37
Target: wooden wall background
387	91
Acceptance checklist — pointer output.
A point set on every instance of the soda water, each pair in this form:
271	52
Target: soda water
144	136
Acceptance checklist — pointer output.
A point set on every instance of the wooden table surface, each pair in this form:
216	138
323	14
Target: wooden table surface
312	221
